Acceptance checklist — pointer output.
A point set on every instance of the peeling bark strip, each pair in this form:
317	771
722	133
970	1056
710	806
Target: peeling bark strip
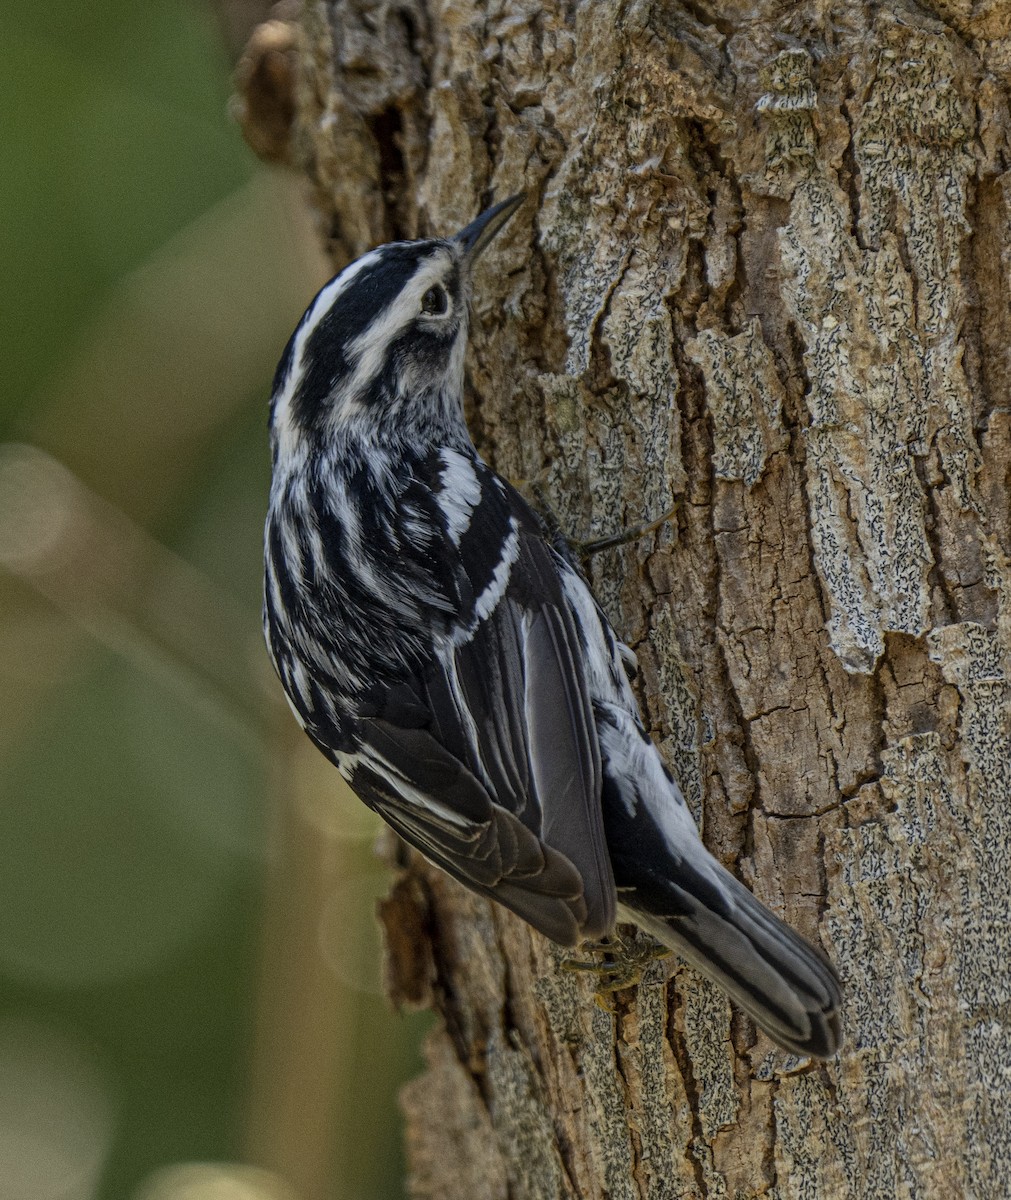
768	277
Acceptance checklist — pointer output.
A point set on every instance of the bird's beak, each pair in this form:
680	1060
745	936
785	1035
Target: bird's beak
482	229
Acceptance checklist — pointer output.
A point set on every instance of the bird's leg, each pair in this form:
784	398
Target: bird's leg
586	549
621	965
580	548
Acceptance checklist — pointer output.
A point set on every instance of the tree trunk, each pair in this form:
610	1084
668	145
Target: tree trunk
763	275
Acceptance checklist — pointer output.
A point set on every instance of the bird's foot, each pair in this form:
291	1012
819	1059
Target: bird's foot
622	963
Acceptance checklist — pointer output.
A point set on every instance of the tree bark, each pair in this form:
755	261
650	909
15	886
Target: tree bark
763	275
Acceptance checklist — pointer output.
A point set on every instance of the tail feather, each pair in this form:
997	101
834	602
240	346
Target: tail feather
782	982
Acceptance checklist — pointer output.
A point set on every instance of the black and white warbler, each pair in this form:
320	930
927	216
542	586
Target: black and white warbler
443	651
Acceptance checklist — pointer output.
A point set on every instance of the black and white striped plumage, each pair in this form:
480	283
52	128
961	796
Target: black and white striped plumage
450	660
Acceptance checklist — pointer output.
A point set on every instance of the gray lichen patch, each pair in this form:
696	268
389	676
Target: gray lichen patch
787	105
814	1152
707	1027
659	1101
637	332
879	311
607	1109
745	398
524	1132
975	660
681	745
898	884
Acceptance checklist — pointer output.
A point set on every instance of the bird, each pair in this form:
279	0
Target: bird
442	648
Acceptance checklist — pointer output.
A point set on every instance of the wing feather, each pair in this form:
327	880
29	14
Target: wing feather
487	761
481	844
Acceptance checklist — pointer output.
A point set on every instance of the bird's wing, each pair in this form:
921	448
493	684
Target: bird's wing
488	759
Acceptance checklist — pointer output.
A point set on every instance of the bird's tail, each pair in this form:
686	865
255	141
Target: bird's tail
786	986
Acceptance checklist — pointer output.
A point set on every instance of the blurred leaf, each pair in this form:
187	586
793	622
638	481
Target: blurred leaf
101	874
103	164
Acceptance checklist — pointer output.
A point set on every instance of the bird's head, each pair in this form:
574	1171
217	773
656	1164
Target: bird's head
379	353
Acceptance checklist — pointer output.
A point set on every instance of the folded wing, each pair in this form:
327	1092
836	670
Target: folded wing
487	761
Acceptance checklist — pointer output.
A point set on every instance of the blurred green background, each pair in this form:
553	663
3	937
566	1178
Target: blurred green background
189	982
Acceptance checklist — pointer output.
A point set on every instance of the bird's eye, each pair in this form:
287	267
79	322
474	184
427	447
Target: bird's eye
435	302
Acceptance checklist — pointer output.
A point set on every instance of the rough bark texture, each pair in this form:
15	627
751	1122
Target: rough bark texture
764	275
